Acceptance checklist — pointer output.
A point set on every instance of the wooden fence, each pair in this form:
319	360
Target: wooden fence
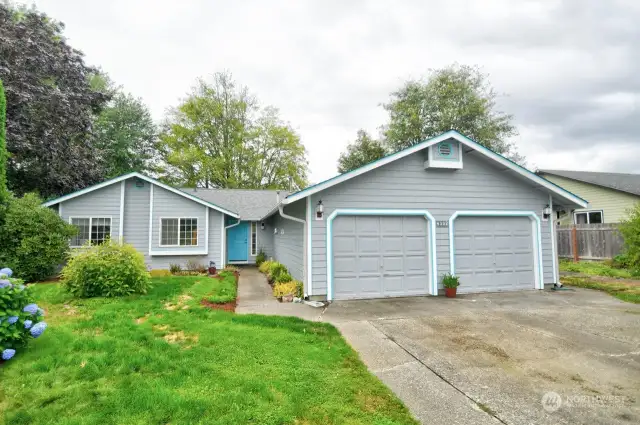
594	241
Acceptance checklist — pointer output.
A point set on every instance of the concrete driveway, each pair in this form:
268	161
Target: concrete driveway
492	358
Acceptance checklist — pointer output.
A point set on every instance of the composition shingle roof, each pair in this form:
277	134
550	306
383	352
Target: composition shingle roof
629	183
250	204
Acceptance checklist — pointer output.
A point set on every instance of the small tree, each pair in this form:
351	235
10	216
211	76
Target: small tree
630	230
364	150
34	239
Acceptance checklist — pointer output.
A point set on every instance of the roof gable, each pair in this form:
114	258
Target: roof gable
147	179
629	183
451	134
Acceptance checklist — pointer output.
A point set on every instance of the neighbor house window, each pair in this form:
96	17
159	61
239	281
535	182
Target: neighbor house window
254	238
178	231
588	217
94	229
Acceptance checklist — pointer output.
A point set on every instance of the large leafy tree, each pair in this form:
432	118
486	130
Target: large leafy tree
220	137
457	97
51	105
126	135
362	151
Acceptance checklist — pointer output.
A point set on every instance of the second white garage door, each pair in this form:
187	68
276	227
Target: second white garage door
380	256
494	253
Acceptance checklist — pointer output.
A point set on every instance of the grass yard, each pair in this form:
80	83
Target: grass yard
594	268
163	358
624	291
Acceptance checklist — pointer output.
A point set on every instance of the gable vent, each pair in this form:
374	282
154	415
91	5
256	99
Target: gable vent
444	149
139	183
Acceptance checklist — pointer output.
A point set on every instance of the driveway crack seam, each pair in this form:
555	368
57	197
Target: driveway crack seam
437	374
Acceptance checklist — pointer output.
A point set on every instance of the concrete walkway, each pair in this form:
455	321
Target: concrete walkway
429	398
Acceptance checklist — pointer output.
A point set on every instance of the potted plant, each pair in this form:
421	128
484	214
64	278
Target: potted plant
450	283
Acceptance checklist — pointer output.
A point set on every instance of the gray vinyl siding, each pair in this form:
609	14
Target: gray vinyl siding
136	216
265	238
405	184
104	202
288	242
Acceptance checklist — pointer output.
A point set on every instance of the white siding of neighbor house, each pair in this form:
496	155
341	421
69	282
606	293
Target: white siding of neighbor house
405	184
106	202
103	202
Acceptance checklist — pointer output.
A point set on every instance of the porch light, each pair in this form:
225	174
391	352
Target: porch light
546	212
262	226
319	210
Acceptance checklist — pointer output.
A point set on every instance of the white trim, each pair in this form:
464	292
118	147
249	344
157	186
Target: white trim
147	179
179	219
167	253
206	230
60	209
150	217
448	135
253	253
91	217
433	276
535	231
309	249
223	241
552	231
587	213
121	224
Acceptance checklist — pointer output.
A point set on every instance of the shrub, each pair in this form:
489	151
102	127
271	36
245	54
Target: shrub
260	258
288	288
283	278
450	281
106	270
630	230
265	267
175	268
231	268
160	273
35	240
275	270
194	266
20	317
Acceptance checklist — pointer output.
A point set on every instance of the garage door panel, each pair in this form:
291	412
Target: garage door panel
496	253
389	257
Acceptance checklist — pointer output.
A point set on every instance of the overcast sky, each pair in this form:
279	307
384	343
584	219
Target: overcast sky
570	70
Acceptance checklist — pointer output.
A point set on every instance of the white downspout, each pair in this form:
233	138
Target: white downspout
304	237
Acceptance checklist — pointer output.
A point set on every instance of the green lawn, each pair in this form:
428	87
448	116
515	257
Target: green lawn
162	358
594	268
623	291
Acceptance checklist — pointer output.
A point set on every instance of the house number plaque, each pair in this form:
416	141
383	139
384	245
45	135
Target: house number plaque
442	223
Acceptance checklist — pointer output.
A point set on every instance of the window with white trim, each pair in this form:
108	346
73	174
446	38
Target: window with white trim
94	229
588	217
254	238
178	232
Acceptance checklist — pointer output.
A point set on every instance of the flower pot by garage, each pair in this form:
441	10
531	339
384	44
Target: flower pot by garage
287	298
450	292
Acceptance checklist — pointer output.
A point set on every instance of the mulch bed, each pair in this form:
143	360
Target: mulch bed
226	306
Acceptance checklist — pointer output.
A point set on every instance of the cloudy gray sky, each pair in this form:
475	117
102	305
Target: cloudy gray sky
570	70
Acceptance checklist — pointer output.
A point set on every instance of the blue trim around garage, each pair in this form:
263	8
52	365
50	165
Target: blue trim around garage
433	277
537	234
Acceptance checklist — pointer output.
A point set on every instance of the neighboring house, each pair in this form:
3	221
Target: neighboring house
610	195
391	228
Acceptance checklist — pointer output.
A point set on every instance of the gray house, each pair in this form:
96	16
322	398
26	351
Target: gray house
391	228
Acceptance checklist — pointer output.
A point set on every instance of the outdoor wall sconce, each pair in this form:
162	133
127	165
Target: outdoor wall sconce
319	210
546	213
262	226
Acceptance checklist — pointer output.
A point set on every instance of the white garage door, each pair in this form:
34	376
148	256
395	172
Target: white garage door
380	256
494	253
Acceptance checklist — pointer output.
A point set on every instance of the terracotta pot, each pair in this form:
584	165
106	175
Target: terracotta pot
450	292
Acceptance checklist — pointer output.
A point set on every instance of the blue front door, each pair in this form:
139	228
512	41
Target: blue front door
238	242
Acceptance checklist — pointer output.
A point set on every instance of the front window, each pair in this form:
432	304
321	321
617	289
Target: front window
254	238
91	229
588	217
178	232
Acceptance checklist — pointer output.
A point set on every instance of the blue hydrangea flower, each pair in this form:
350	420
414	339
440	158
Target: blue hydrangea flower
38	329
28	324
12	319
5	284
8	354
6	271
30	308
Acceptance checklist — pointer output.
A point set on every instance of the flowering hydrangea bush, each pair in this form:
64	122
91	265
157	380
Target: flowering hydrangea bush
20	318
